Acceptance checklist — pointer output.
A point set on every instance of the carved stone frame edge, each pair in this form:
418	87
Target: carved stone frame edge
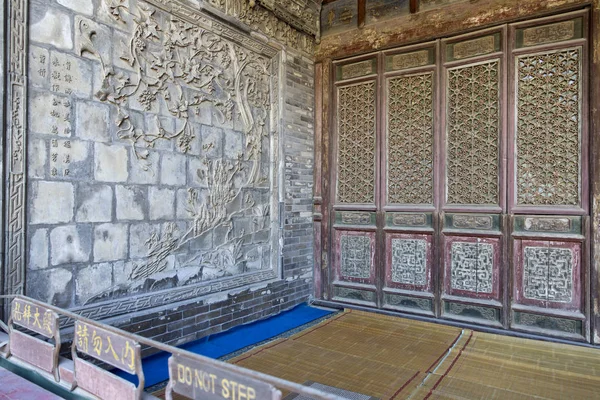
15	171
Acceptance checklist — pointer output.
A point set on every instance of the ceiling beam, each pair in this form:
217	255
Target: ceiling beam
414	6
362	11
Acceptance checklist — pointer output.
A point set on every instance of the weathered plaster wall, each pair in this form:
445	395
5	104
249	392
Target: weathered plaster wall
170	163
435	18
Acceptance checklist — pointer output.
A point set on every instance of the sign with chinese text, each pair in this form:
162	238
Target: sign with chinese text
113	349
36	318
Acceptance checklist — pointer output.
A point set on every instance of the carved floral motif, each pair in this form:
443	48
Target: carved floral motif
356	153
548	128
410	139
473	128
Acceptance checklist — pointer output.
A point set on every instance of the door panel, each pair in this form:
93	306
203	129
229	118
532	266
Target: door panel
473	236
547	169
461	178
354	275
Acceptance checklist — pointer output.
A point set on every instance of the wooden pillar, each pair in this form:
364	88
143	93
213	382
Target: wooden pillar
595	169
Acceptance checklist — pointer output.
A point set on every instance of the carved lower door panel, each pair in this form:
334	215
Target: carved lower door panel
460	179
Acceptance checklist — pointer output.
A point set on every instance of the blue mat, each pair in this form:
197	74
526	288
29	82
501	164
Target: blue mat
156	368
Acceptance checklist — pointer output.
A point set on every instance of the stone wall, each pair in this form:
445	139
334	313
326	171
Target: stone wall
169	165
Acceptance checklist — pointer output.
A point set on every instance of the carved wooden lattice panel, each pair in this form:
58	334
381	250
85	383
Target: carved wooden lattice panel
410	139
472	267
356	141
355	257
472	128
548	128
409	261
548	274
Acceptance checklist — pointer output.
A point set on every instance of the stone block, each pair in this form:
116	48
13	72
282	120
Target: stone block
120	50
92	280
49	114
53	286
182	204
161	203
36	163
70	244
144	171
111	162
70	75
138	236
52	27
212	141
93	122
195	177
70	159
94	203
80	6
233	144
121	272
52	202
130	202
39	66
173	169
110	242
38	250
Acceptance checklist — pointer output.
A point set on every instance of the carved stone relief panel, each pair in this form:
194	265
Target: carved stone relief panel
356	143
548	137
410	139
473	124
409	261
355	256
155	135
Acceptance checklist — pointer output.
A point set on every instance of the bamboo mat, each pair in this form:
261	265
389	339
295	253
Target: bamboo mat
393	358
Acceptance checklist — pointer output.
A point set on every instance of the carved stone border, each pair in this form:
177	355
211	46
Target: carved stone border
118	307
16	125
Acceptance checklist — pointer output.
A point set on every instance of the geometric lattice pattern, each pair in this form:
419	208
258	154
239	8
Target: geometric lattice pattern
356	143
548	274
472	267
473	123
356	256
409	261
410	139
548	128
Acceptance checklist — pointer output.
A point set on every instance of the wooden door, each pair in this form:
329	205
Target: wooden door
460	178
549	181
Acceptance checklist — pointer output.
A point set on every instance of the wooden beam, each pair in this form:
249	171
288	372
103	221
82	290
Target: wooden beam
362	11
414	6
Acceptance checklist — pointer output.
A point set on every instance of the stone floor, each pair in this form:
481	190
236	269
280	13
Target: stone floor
394	358
13	387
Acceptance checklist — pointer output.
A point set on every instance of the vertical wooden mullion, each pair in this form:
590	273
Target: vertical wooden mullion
505	221
381	170
439	178
329	138
595	172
